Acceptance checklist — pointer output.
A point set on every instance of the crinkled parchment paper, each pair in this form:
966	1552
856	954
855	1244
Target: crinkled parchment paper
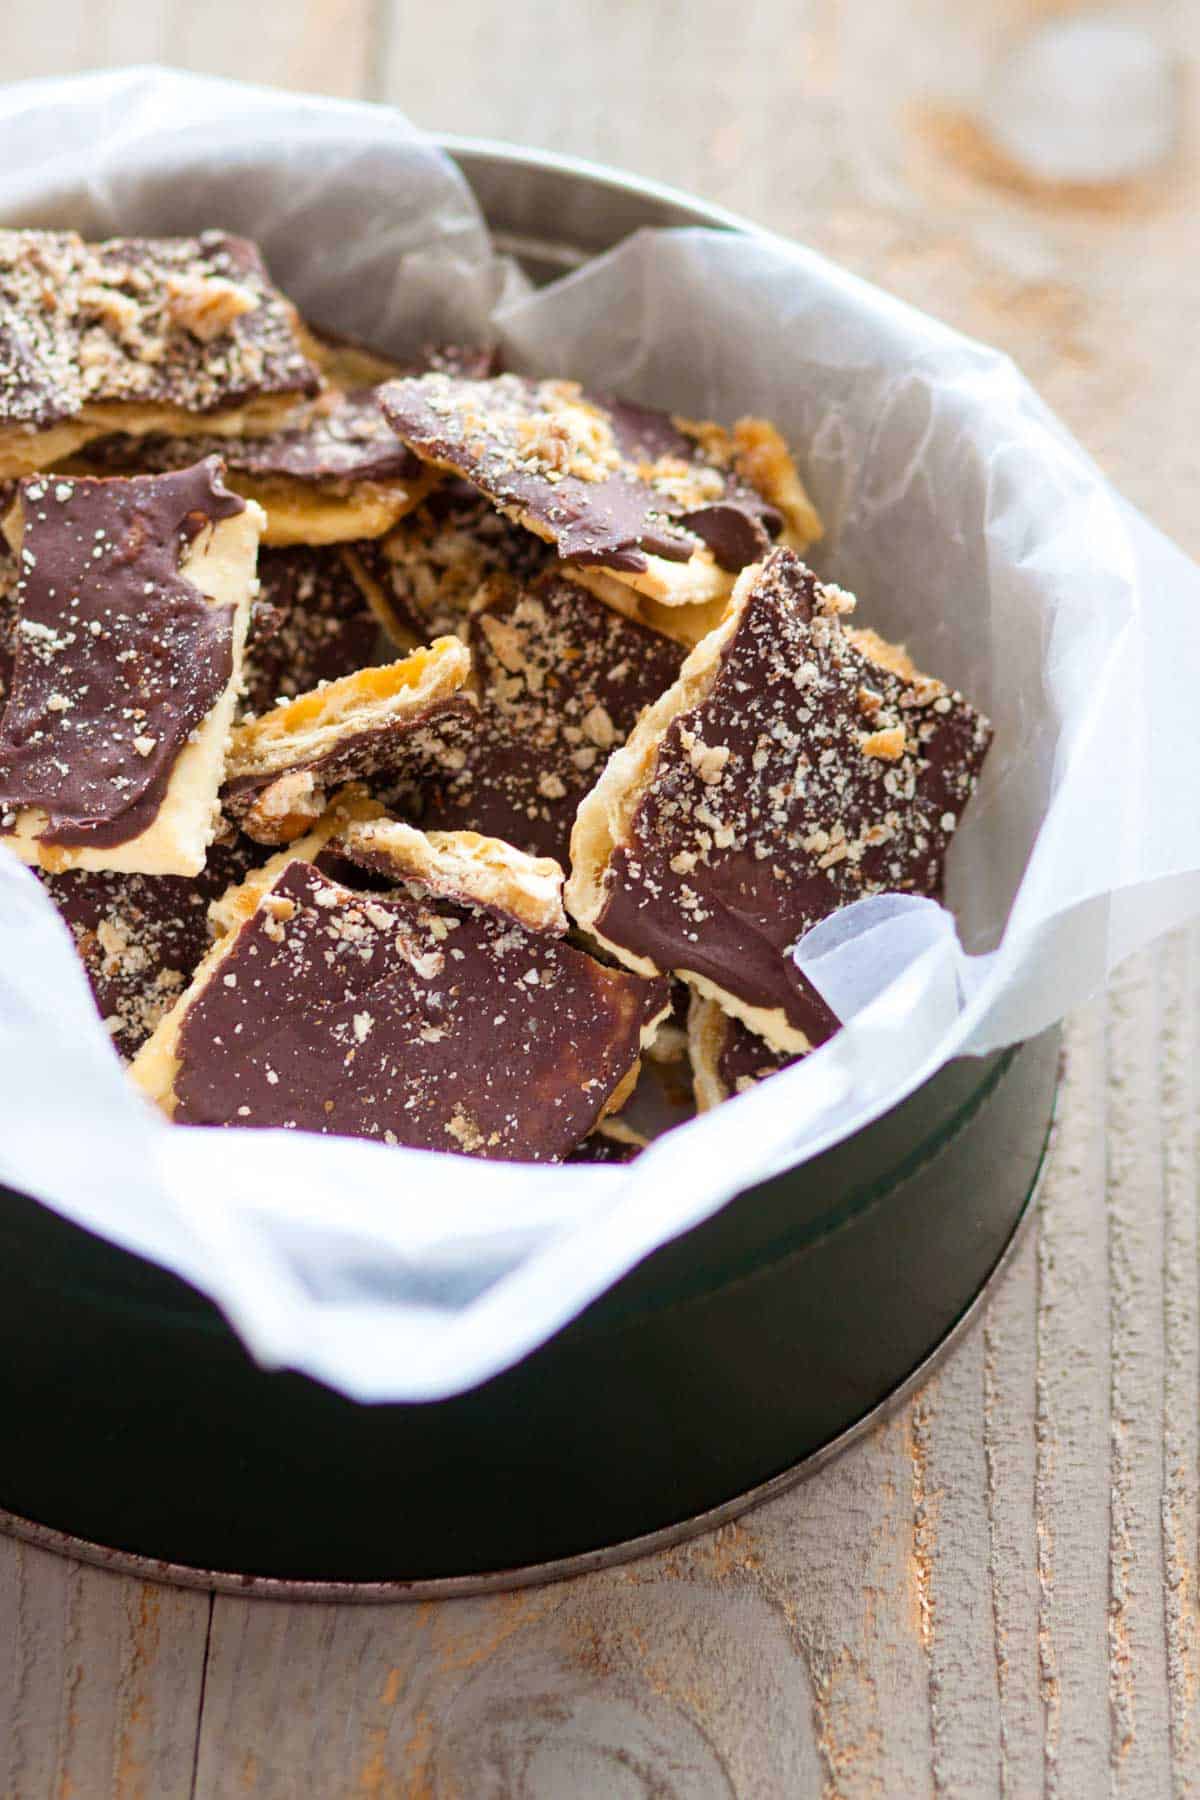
961	513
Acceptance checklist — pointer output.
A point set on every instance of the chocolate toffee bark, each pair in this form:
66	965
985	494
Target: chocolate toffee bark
561	681
448	1013
132	609
726	1056
8	617
140	937
338	474
423	576
283	767
310	622
784	775
658	503
352	804
139	335
609	1143
347	364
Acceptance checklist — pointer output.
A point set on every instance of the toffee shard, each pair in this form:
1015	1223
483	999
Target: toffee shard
141	937
132	606
726	1056
423	575
310	623
284	768
562	681
412	1016
653	500
136	335
338	474
785	775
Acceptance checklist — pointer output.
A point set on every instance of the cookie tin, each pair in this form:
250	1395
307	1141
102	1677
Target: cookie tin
730	1362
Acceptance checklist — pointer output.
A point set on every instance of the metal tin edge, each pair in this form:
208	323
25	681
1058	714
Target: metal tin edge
620	180
452	1587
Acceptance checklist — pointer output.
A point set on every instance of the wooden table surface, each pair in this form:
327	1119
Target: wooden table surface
995	1593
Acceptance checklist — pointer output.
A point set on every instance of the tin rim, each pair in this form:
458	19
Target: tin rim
586	1562
469	149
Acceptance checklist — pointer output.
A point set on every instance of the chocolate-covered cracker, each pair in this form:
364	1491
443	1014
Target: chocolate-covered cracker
352	804
608	1145
726	1056
132	608
347	364
8	618
139	335
656	502
140	937
424	575
310	622
337	474
433	1015
784	775
561	681
283	767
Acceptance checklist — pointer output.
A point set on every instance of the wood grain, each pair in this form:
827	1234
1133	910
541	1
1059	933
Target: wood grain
997	1592
100	1681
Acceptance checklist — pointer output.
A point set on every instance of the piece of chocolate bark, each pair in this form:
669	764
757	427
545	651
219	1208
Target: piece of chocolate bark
8	618
140	937
283	768
337	474
726	1056
424	575
608	1144
448	1013
132	607
561	682
311	622
139	335
347	364
655	502
783	776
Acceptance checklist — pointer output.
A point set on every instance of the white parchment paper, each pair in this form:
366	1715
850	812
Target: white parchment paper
961	513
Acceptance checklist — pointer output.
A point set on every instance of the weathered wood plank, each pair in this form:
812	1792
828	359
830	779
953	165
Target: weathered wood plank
323	45
1009	1375
99	1681
1137	1686
953	1541
1071	1493
1179	963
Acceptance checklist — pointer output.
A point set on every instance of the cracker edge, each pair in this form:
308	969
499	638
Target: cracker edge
174	843
605	814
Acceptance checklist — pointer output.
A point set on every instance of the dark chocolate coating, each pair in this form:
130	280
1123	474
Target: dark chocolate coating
562	680
409	1019
346	441
114	647
140	937
374	753
764	813
435	560
310	623
86	323
601	1149
489	431
8	618
745	1058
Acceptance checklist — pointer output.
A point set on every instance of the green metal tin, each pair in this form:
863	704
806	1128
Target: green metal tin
141	1434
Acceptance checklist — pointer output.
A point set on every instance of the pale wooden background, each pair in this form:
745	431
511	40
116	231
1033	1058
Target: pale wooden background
997	1592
